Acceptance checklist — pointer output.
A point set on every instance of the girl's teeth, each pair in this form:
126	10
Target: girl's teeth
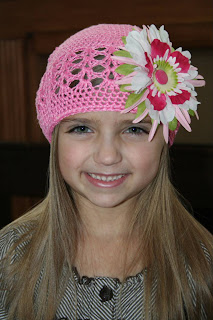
105	178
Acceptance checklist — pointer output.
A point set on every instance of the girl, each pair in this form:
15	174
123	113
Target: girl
111	240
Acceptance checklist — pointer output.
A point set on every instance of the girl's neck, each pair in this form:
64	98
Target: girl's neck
110	258
106	224
107	249
107	246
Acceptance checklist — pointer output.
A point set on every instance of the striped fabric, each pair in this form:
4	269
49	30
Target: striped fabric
99	298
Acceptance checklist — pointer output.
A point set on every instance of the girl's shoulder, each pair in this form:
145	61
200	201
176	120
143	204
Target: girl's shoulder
207	253
7	239
10	236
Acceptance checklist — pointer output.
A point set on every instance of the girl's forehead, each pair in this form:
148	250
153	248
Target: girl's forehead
104	116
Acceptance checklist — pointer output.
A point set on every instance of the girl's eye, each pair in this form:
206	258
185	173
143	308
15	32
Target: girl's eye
135	130
80	129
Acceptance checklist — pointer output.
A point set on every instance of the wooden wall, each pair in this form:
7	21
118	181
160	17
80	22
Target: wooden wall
30	30
190	20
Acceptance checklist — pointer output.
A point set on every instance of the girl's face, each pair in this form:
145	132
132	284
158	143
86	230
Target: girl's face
106	159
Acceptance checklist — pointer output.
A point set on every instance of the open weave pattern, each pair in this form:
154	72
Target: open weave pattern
80	76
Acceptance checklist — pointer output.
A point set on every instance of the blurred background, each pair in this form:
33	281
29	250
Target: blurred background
29	32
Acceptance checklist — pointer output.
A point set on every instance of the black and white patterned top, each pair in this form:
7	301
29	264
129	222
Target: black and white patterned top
98	298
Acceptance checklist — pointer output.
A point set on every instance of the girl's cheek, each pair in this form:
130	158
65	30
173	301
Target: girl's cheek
73	155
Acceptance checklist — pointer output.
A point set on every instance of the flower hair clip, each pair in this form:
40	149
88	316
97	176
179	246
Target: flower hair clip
160	79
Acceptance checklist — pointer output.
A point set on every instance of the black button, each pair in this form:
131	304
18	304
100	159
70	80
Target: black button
106	294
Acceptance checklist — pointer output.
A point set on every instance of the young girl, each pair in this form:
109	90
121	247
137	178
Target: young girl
111	240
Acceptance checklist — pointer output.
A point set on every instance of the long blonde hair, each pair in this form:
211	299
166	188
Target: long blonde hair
173	244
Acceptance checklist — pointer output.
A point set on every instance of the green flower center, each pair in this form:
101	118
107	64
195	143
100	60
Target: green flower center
165	78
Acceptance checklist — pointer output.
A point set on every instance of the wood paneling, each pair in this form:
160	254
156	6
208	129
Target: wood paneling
191	20
24	173
21	204
12	91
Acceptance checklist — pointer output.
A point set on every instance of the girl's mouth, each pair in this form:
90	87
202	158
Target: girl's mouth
106	178
106	181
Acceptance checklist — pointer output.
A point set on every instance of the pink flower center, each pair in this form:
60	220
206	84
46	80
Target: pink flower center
161	76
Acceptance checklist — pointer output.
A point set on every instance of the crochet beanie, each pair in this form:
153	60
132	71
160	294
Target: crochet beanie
80	77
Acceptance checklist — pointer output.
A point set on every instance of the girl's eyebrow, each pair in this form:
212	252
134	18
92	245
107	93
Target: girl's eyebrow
146	120
89	121
82	120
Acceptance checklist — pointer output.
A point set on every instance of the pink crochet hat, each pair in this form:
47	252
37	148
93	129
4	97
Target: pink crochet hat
80	77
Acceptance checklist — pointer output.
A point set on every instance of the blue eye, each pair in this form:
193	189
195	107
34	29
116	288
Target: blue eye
80	129
135	130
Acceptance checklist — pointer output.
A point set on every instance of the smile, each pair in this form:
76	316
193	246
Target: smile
106	178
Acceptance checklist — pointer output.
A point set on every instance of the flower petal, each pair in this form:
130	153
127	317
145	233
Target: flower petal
153	113
125	60
164	35
153	130
153	33
172	134
158	48
142	98
149	65
141	117
186	115
197	83
199	77
192	104
197	116
140	81
180	98
137	28
125	80
135	46
168	113
180	117
144	41
166	132
186	53
159	103
192	73
182	60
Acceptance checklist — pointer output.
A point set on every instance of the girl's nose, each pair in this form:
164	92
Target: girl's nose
107	152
